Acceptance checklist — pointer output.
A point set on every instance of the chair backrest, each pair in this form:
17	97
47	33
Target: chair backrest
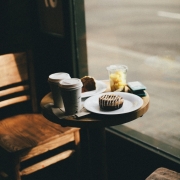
17	82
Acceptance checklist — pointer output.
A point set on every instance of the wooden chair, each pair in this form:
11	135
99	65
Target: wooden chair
164	174
25	133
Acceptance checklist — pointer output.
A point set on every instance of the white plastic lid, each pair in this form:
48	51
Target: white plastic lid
57	77
72	83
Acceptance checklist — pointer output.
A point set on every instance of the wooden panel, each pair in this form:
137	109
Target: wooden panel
32	130
13	90
13	68
47	162
58	141
14	100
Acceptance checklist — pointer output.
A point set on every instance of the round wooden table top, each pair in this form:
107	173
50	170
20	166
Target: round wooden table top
93	119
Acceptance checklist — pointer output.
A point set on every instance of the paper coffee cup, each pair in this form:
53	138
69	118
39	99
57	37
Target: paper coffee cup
54	80
71	95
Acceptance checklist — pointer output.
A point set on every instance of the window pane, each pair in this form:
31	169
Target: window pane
145	36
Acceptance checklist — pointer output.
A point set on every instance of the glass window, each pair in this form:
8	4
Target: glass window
145	36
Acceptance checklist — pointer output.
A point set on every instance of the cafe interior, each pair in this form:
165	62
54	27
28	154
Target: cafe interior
39	38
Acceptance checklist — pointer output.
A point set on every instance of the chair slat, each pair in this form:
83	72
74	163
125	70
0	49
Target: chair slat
13	90
14	100
47	162
13	69
57	141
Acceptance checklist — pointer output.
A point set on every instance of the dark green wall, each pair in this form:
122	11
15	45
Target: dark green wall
20	30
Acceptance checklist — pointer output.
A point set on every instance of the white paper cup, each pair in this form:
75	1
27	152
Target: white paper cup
54	80
71	95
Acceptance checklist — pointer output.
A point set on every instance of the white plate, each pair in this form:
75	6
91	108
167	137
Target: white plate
100	87
131	103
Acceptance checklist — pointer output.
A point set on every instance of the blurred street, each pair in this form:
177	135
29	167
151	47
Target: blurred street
145	36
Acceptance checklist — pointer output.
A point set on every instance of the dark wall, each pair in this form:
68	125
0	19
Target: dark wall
128	161
20	30
16	25
50	57
54	53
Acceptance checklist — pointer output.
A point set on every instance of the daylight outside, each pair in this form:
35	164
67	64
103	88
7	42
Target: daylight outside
145	36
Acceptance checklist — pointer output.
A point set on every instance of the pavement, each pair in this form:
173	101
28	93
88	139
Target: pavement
139	35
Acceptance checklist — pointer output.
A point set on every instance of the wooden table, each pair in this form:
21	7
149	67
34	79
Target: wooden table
93	136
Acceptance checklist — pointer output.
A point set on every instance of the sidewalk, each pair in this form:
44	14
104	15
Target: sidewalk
162	121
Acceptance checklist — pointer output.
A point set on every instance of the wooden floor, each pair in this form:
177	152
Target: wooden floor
126	161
